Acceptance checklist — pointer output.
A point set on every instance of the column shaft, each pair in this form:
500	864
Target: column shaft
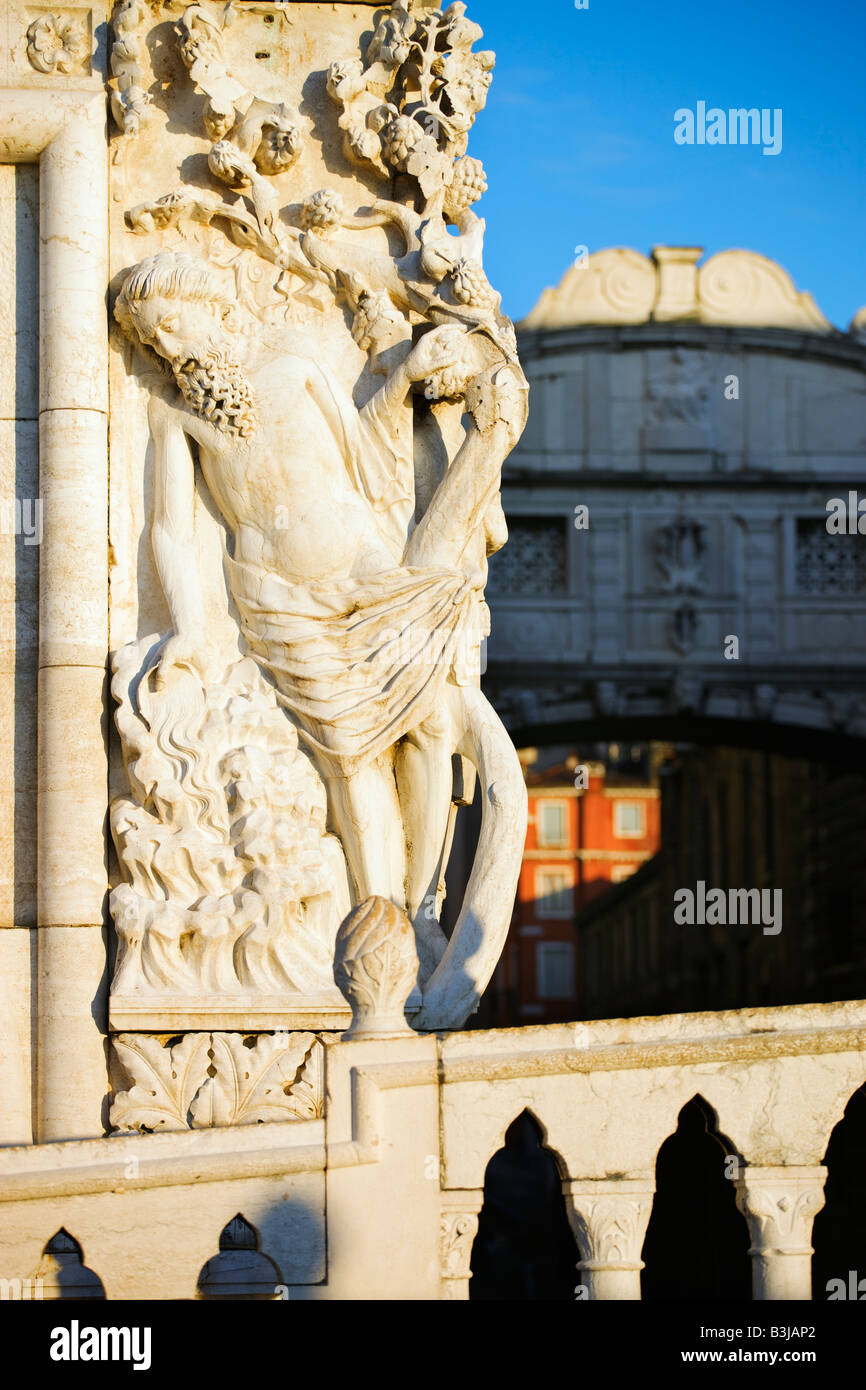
73	628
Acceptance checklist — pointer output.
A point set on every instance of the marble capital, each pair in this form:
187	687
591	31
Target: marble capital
609	1218
458	1227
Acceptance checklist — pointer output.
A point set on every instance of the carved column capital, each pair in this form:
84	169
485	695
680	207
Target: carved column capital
780	1204
458	1227
609	1217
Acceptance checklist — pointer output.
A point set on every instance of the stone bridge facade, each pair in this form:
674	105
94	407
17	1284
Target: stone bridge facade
671	494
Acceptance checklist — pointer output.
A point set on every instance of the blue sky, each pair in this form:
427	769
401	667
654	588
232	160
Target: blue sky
577	137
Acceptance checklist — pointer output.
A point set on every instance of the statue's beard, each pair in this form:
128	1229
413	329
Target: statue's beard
216	388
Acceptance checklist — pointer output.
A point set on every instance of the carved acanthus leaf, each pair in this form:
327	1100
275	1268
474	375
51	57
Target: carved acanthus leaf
165	1080
209	1080
610	1229
256	1084
376	965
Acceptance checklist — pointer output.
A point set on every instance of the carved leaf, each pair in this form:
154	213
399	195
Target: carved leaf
256	1084
166	1080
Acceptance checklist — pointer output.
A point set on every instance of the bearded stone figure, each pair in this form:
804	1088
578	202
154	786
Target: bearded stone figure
358	582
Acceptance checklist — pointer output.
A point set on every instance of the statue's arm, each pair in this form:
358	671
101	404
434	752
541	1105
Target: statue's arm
388	402
172	535
442	347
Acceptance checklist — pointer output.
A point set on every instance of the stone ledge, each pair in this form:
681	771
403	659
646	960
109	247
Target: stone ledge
666	1040
78	1167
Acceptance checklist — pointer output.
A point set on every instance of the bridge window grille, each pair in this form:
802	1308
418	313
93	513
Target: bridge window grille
828	564
534	560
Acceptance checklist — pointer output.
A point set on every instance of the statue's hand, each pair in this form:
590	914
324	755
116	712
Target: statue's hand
185	652
440	347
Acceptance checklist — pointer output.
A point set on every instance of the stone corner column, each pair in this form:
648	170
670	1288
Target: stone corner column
72	772
458	1227
779	1204
609	1217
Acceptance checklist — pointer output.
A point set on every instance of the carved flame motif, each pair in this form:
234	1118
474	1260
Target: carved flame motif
233	882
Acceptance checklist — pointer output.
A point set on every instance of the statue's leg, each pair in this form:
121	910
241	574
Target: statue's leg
366	816
425	785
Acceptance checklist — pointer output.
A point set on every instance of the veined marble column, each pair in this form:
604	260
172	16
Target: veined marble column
780	1204
609	1218
458	1227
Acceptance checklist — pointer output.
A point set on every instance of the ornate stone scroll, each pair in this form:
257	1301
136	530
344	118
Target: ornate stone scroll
618	285
331	390
458	1227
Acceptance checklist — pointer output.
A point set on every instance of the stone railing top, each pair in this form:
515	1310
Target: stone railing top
609	1044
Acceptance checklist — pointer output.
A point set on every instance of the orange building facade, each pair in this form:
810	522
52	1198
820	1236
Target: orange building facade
588	828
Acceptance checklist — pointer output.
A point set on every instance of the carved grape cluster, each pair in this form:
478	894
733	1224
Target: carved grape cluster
409	108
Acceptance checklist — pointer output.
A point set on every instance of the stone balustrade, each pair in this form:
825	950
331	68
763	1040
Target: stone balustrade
389	1178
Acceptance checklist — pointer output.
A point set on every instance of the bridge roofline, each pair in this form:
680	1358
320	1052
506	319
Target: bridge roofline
535	344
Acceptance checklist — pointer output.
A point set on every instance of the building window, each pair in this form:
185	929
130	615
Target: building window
533	561
620	872
555	969
828	564
629	819
551	823
553	892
